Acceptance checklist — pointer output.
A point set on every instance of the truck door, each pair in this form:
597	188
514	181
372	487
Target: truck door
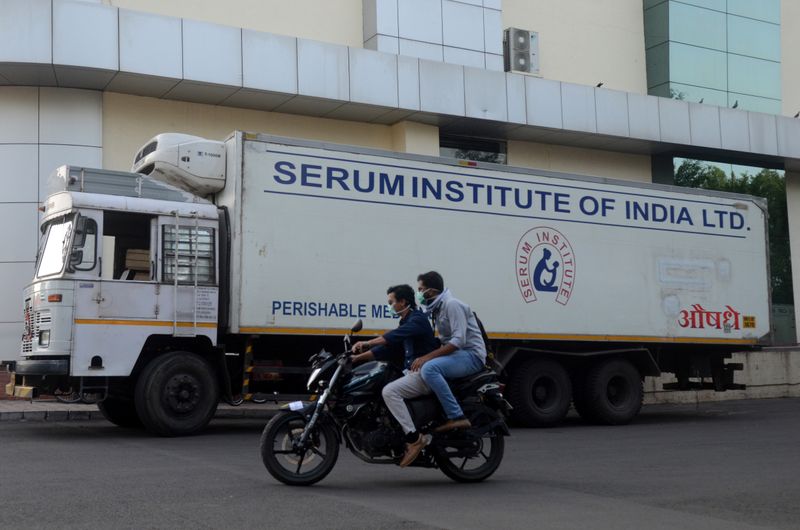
188	272
129	289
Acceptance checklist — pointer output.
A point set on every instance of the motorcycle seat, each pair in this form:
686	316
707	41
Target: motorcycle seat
473	380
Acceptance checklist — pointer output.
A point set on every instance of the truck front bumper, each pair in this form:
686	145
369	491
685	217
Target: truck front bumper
36	372
42	367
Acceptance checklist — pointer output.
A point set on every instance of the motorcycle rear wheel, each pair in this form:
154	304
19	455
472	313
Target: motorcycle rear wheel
286	463
481	459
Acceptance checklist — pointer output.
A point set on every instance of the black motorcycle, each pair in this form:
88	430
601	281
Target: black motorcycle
300	445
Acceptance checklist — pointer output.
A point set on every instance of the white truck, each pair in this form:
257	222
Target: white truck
215	269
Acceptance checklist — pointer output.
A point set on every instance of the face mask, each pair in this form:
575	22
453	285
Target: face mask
420	296
395	314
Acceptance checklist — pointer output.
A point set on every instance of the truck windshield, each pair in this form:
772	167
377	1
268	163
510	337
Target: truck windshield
55	248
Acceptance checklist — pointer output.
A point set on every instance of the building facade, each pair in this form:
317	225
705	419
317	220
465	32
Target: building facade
721	52
89	82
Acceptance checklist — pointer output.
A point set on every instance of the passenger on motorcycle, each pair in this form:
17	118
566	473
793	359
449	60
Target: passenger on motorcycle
462	352
412	339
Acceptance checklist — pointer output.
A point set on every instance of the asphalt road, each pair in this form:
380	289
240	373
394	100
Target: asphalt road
728	465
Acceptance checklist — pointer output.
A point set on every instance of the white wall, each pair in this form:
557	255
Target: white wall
130	121
586	41
40	129
591	162
336	21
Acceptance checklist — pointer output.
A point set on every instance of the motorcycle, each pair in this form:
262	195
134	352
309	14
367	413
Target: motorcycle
300	445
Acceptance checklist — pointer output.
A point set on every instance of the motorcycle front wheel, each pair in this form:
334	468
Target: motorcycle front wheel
294	465
466	456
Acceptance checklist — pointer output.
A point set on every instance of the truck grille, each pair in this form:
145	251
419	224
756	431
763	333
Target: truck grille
27	335
33	322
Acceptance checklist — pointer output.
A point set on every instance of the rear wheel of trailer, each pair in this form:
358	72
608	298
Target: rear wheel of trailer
609	392
540	392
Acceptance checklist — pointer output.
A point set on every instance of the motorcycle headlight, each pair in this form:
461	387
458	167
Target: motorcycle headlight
313	378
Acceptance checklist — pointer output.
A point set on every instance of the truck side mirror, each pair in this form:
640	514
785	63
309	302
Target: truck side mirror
84	252
75	258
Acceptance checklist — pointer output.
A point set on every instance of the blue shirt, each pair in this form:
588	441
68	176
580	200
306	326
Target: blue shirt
412	338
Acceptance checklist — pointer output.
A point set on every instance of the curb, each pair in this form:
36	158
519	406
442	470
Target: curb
224	412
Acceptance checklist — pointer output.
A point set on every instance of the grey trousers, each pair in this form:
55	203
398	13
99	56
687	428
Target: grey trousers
409	386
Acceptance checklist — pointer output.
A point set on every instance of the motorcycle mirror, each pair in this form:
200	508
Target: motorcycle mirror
357	326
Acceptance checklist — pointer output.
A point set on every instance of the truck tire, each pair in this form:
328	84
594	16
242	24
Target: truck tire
176	394
540	392
120	411
612	393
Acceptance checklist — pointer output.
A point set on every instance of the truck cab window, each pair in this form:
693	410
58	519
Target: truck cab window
192	250
127	242
84	245
55	246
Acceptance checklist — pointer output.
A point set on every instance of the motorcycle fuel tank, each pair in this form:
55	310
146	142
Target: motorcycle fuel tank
371	376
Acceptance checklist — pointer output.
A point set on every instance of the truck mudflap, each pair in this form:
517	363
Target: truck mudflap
42	367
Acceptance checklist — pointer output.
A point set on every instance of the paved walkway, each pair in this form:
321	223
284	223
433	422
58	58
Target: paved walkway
51	410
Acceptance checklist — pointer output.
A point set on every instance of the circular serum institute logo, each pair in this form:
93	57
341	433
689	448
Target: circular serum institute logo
545	265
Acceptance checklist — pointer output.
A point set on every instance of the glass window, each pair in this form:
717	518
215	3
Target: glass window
697	26
84	245
651	3
656	25
468	148
657	65
55	248
195	254
754	38
755	77
694	94
756	104
767	10
718	5
660	90
691	65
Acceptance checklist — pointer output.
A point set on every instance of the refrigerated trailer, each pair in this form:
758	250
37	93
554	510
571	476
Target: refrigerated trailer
214	269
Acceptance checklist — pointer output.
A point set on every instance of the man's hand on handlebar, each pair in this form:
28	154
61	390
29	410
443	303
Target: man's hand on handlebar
360	347
362	357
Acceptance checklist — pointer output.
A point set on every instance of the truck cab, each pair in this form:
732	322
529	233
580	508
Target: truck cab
124	262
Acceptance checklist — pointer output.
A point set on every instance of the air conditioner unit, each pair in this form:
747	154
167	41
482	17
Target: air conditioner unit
521	51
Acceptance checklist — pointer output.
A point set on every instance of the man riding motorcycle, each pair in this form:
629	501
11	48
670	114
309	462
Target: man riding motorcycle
412	339
463	351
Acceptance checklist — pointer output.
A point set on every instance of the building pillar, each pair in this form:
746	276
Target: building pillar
793	213
663	170
416	138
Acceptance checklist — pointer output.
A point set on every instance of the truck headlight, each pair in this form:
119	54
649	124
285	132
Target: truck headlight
44	338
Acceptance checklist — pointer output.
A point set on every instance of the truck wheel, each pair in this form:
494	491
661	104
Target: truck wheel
120	411
612	392
540	393
176	394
